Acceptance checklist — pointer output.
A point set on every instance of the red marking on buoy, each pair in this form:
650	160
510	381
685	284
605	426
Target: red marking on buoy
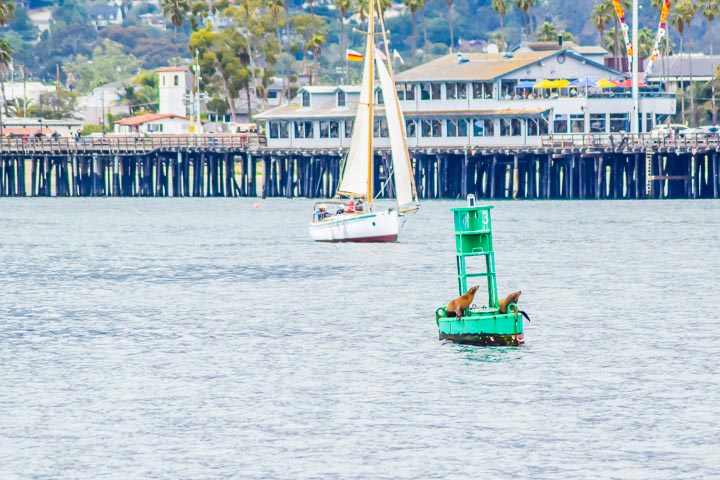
256	205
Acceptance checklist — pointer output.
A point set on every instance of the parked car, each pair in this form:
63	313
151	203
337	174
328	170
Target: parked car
706	131
665	130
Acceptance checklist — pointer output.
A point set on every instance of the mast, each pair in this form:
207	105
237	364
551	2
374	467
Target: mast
371	119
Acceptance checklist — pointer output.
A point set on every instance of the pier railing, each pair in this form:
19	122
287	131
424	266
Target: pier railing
130	143
621	140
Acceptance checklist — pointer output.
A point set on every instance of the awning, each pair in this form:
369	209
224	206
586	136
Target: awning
526	84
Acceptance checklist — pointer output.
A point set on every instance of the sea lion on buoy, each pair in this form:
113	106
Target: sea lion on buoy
512	298
457	306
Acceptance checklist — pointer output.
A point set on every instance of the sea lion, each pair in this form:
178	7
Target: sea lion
457	306
512	298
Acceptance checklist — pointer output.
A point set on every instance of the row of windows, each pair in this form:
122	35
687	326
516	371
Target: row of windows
455	127
453	90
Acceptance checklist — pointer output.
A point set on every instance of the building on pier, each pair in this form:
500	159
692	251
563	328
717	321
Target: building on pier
477	99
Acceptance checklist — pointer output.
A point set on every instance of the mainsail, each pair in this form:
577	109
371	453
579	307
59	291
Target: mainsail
354	181
402	169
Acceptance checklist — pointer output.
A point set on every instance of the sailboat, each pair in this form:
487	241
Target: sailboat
353	216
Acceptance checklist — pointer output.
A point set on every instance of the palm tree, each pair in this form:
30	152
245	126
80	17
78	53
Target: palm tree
343	7
501	8
711	8
525	5
176	11
277	7
413	6
547	32
452	37
7	12
684	13
425	36
5	61
601	18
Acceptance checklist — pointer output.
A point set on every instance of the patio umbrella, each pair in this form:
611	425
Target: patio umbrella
581	83
545	84
526	84
627	83
605	83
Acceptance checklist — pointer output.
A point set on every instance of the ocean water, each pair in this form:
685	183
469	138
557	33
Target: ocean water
207	339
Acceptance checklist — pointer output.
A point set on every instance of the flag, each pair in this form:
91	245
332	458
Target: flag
354	56
380	54
396	56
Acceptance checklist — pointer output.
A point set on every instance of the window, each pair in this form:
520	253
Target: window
305	99
560	125
537	126
155	127
482	90
430	128
348	128
273	94
507	89
304	129
483	127
163	80
381	128
329	129
279	129
340	98
577	123
510	127
410	127
598	122
176	80
406	91
618	122
457	127
455	91
430	91
379	97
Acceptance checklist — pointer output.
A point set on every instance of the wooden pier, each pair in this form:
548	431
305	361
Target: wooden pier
607	166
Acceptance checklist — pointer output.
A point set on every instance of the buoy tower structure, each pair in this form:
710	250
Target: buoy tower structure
475	259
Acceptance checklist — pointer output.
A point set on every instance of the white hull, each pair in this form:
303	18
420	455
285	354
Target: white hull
379	226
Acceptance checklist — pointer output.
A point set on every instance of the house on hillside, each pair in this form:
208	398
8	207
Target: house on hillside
158	123
478	99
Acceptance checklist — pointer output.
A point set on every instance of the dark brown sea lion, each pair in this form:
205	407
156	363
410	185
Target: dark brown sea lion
457	306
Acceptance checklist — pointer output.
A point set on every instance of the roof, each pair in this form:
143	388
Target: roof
554	46
702	66
148	117
173	69
295	110
319	88
484	66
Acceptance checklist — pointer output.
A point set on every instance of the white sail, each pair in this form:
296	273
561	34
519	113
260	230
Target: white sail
402	169
354	180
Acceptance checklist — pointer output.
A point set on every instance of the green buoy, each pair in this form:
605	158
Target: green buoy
485	325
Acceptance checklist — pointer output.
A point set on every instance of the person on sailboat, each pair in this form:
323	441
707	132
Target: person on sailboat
359	206
350	206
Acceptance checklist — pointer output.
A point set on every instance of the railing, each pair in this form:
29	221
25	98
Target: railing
131	143
619	140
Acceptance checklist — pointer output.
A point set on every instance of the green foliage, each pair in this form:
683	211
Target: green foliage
54	105
109	63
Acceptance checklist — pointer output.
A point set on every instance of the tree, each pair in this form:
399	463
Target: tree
684	13
176	11
5	61
413	6
710	9
525	6
501	8
343	8
450	20
547	32
7	12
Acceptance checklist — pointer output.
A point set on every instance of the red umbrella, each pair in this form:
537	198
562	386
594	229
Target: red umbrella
627	83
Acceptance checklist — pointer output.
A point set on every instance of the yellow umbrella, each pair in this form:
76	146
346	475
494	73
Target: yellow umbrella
560	83
604	83
544	84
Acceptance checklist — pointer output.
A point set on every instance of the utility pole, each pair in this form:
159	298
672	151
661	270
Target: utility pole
197	91
635	120
102	97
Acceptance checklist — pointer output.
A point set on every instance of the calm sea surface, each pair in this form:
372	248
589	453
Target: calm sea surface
207	339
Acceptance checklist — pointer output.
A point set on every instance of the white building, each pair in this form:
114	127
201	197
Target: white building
476	99
155	123
175	83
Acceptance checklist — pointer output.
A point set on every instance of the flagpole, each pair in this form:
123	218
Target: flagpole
635	124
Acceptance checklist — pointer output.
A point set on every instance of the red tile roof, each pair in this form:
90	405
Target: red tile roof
147	117
172	69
